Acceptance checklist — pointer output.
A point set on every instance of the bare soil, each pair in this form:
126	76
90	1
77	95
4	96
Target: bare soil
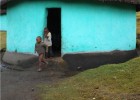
18	83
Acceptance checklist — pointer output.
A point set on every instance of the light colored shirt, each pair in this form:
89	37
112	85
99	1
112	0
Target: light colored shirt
48	39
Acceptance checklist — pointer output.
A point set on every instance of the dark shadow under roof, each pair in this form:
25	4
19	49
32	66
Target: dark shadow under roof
3	4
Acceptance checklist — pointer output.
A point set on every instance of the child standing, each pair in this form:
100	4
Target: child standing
40	49
48	42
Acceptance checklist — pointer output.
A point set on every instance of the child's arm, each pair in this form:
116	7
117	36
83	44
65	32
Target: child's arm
49	36
35	48
45	46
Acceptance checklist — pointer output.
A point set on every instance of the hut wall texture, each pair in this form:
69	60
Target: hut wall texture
86	26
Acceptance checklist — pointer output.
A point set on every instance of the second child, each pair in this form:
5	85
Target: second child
40	48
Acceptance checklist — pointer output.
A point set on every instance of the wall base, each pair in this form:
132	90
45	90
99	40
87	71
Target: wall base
20	59
92	60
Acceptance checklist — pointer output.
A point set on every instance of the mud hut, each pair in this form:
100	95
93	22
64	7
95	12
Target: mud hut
86	33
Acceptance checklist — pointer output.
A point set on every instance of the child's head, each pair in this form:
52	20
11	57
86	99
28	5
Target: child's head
38	39
46	31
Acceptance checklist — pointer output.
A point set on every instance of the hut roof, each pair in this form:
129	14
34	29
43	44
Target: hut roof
3	3
123	1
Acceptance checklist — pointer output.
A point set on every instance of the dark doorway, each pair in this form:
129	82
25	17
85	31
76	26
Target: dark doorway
138	7
54	26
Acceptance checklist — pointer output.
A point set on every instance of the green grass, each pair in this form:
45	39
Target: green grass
108	82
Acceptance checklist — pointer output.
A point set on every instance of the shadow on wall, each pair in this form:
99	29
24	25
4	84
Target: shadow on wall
92	60
118	5
114	4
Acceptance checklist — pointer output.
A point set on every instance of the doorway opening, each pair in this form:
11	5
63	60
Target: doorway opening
54	26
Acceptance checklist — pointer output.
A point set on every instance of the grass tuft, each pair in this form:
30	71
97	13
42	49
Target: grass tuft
119	81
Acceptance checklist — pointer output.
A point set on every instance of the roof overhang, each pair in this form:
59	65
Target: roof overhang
3	4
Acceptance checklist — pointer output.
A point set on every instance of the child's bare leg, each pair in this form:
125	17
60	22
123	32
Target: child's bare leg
44	60
40	61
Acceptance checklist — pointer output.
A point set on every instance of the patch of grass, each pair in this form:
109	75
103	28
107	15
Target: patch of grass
108	82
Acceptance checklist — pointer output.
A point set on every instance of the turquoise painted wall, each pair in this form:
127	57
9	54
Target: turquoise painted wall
26	21
97	27
3	22
86	26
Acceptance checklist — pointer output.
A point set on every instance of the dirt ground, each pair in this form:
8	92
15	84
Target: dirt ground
18	83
